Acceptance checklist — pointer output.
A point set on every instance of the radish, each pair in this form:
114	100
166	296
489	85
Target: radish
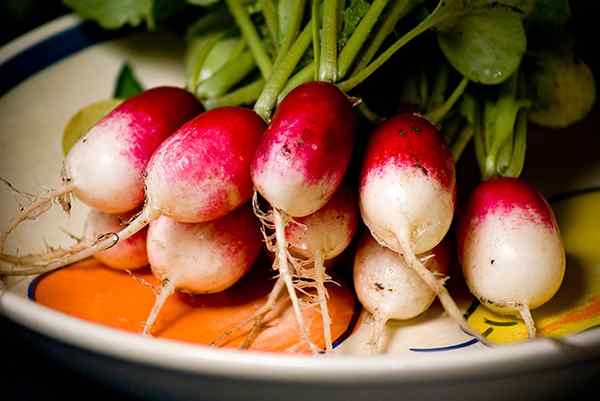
200	173
407	194
300	163
105	168
128	254
389	289
315	239
201	258
510	248
322	236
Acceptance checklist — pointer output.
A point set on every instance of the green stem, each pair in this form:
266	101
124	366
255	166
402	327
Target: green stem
461	142
316	25
301	77
294	21
365	73
369	114
398	9
249	33
519	147
270	14
196	54
328	62
244	95
440	85
229	75
359	37
277	81
451	127
478	137
438	114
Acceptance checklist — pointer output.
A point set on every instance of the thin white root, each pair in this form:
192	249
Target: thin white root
102	243
320	279
38	207
375	344
257	317
41	259
286	275
168	288
525	314
437	286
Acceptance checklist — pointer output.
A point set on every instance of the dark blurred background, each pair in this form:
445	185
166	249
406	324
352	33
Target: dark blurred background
30	375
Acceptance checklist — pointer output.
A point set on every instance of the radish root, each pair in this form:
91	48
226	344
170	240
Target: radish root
375	344
38	206
167	289
102	243
256	318
525	314
436	285
279	219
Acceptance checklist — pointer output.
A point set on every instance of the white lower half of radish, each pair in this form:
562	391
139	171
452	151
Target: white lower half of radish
195	257
386	286
291	193
126	254
404	201
102	170
509	260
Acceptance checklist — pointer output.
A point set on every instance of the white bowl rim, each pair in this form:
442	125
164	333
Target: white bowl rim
504	360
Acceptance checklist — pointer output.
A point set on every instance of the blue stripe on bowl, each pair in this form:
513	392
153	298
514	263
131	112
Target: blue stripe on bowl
50	50
448	347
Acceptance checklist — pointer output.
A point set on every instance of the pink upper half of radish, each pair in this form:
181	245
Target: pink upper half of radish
125	255
204	257
107	164
304	153
407	183
509	245
329	230
202	172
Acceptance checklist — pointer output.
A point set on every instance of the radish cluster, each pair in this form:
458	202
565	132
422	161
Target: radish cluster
170	187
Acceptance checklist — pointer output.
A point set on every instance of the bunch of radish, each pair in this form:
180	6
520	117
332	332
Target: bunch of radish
171	185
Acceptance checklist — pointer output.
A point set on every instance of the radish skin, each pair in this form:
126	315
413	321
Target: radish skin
201	258
199	174
128	254
510	248
389	289
407	195
299	164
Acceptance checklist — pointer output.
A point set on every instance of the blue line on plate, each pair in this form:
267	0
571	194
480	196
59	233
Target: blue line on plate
447	348
50	50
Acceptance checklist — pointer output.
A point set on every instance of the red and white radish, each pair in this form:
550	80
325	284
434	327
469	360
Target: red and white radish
389	289
510	248
315	238
105	168
300	163
200	173
201	258
129	254
407	194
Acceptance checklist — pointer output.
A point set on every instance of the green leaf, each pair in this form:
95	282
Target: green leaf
352	16
112	14
127	84
485	46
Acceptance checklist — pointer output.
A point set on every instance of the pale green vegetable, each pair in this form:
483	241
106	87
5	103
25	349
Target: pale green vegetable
85	119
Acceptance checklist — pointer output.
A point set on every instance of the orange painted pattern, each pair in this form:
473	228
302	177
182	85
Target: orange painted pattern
92	292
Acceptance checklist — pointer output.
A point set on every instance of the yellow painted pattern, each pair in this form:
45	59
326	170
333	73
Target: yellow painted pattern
576	306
